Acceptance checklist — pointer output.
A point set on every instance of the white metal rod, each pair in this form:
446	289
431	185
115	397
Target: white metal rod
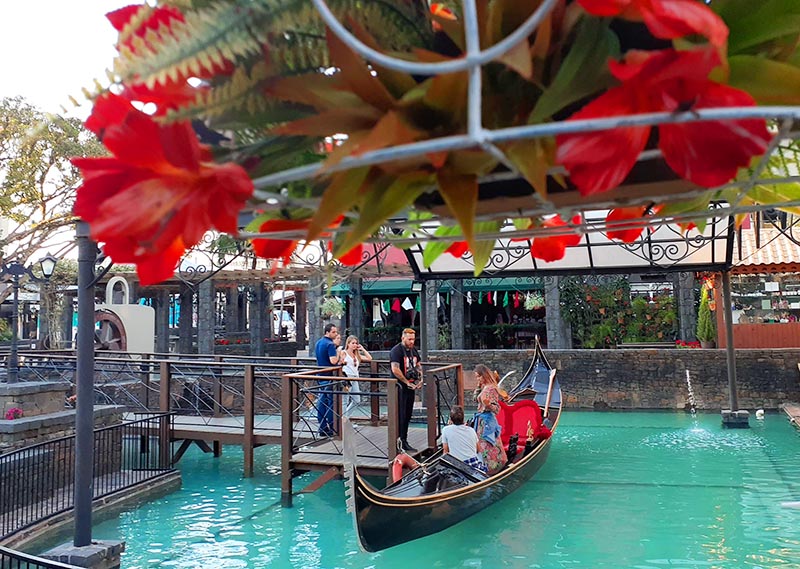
451	66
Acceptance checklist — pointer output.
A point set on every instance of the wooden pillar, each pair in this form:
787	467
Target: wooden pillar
287	436
392	423
258	317
300	316
162	321
356	322
559	334
315	323
457	323
165	375
249	420
185	326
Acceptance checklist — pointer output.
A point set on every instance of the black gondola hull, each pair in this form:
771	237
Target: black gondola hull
384	521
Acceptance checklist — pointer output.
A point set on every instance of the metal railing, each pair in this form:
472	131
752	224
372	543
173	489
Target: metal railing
37	482
10	559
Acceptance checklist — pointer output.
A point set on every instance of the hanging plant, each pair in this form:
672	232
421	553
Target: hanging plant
291	94
331	307
534	300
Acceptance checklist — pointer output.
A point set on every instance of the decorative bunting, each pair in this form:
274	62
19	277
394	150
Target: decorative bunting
516	299
469	297
417	306
407	304
505	299
396	305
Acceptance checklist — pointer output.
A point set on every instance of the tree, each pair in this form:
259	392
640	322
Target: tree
706	327
37	181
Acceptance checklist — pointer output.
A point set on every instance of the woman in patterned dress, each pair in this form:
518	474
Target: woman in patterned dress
489	444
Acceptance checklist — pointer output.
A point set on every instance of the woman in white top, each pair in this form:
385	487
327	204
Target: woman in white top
352	355
461	441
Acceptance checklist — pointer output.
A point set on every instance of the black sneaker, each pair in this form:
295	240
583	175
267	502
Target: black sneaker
407	447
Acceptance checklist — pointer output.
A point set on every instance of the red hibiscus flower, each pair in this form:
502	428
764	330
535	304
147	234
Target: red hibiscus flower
159	192
707	153
666	19
626	223
458	249
280	248
552	248
352	257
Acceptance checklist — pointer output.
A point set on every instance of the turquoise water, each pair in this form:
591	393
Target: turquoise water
642	490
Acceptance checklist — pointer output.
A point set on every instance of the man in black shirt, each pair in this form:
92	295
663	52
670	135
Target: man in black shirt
407	369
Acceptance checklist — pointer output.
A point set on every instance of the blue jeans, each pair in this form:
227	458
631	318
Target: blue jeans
325	409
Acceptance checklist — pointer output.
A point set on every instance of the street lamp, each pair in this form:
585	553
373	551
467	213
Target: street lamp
16	271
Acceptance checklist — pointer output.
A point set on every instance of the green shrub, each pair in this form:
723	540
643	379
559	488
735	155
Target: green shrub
706	326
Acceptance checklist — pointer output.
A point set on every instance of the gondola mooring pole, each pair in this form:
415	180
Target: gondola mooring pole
732	417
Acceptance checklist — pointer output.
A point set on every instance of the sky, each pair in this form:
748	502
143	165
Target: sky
51	49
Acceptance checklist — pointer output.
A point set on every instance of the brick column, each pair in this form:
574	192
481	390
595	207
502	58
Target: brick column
206	301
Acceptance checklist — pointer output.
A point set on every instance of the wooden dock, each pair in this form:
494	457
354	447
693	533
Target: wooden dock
312	454
793	411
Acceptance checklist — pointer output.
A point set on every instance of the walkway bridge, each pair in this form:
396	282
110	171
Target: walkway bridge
255	401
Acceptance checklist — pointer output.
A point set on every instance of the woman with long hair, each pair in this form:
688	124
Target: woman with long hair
488	397
352	355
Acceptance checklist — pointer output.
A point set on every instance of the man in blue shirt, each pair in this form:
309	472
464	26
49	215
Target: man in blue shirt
326	356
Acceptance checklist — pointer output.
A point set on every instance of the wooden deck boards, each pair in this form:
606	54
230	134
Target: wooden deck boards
372	444
793	411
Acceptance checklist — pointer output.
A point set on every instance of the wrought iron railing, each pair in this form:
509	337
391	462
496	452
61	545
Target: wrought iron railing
10	559
37	482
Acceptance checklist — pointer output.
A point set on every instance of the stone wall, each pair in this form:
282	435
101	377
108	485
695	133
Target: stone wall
28	431
651	378
34	398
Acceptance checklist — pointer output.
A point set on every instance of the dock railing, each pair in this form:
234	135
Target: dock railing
36	482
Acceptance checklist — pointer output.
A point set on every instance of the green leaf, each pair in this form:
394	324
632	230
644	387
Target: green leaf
583	72
754	23
460	193
434	249
341	195
769	82
482	250
382	200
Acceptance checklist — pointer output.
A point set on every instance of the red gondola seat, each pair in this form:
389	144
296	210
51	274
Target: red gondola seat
515	419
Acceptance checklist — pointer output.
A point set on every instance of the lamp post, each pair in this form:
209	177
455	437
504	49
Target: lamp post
16	271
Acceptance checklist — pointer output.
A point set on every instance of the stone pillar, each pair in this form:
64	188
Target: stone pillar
683	289
185	328
101	554
300	316
232	309
315	323
66	322
457	323
559	334
258	317
429	293
162	321
206	297
356	323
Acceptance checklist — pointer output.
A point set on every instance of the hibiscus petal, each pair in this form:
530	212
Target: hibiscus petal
605	7
622	217
353	256
459	248
599	161
669	19
710	153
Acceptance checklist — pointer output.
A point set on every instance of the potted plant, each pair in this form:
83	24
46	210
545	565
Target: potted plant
706	327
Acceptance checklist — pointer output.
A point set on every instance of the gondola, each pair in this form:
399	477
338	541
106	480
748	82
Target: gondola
444	490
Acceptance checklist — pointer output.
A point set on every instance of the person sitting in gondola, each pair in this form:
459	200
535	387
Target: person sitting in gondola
461	441
490	447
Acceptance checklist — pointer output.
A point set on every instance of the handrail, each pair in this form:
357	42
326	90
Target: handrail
38	479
